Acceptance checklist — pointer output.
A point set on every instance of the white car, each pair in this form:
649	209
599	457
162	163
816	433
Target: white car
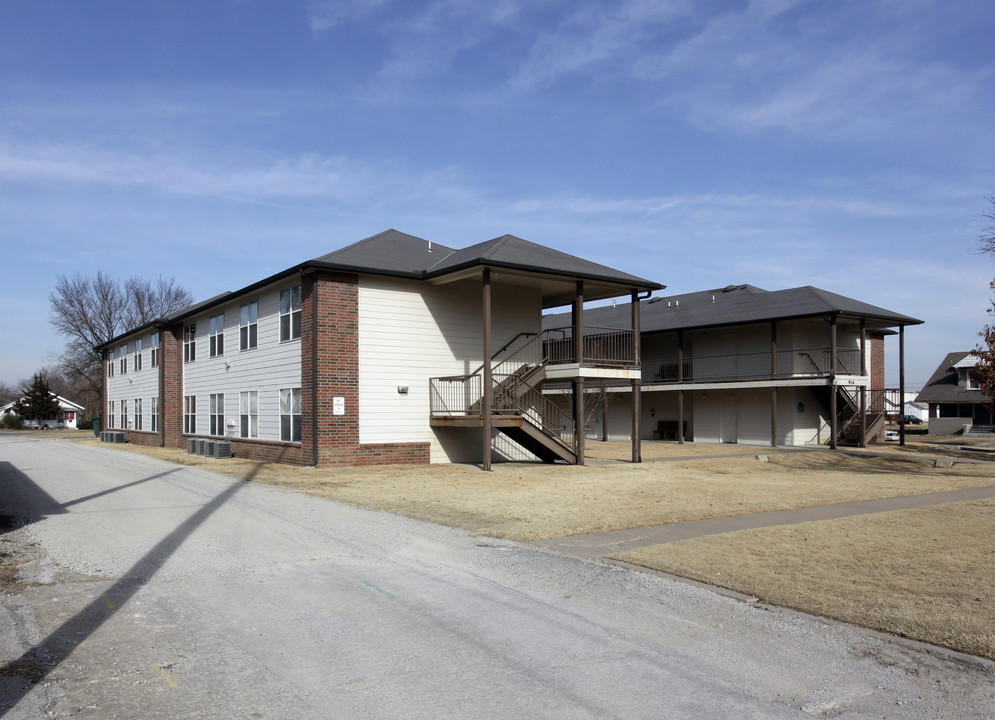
891	435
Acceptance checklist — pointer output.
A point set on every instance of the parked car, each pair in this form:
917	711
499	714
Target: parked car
911	420
891	436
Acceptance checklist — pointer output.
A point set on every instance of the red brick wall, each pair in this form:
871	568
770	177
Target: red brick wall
877	361
171	387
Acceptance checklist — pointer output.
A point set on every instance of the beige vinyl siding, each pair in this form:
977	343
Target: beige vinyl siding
409	332
267	368
134	384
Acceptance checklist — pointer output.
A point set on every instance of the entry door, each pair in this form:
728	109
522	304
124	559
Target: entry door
729	420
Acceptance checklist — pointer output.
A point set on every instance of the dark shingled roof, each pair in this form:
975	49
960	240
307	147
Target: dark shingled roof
390	252
735	305
942	386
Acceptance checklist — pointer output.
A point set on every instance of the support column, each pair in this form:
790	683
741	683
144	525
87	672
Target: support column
487	400
773	388
637	385
863	416
578	330
680	393
833	425
901	383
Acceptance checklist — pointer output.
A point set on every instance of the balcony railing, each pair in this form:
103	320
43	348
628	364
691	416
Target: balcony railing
600	346
812	362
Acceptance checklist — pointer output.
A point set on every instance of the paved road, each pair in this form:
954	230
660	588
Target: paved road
158	591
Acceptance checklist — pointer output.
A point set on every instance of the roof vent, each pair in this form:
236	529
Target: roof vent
655	300
729	288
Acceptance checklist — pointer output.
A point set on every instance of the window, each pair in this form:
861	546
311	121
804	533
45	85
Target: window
110	366
138	414
123	422
218	335
248	414
217	414
189	414
154	409
290	313
248	315
138	354
154	360
290	415
124	358
190	343
110	415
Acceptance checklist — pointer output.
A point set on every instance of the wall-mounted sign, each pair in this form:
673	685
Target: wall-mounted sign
338	406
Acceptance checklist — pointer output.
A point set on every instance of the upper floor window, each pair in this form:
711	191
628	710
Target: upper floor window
290	313
248	316
110	366
124	358
190	342
218	335
138	354
154	359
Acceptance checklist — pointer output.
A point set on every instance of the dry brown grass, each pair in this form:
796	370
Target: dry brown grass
925	574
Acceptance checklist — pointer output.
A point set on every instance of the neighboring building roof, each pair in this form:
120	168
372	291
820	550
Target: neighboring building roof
64	405
736	305
943	385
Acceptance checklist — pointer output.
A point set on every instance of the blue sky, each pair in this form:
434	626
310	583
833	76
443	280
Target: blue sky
842	144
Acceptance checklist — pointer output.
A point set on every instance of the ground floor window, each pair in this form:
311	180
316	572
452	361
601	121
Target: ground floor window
110	415
248	413
138	413
217	410
290	415
189	414
123	422
154	409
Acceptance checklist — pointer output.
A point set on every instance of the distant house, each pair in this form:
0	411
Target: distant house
740	364
69	414
953	396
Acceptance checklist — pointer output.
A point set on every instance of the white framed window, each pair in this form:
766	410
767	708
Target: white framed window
290	314
123	422
110	414
190	342
154	351
290	415
138	414
137	362
217	335
248	333
110	365
217	413
248	414
189	414
154	410
124	358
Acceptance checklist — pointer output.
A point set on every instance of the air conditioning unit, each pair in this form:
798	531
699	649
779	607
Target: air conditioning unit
209	448
118	437
222	449
191	446
200	446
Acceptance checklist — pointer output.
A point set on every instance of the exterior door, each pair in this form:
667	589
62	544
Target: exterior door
729	420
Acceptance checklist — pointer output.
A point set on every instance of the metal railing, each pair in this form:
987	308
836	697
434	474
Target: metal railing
811	362
600	346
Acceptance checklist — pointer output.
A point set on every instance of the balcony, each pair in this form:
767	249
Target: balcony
807	363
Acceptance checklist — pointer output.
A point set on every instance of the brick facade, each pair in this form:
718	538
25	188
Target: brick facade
876	342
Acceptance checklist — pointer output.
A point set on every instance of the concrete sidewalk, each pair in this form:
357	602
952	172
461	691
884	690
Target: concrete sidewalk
597	545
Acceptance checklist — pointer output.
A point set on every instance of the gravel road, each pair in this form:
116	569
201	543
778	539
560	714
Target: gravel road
148	590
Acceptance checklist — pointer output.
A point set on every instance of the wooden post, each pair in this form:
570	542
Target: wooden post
832	382
487	400
901	384
773	388
637	450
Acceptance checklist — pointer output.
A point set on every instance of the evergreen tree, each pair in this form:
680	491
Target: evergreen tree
38	402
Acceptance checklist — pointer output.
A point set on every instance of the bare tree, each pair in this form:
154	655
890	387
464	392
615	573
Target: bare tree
986	238
90	311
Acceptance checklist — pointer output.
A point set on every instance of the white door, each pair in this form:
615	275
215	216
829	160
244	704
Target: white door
729	420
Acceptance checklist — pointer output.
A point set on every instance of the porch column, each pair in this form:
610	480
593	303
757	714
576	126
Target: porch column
578	323
863	416
901	383
637	385
680	393
832	382
773	387
487	400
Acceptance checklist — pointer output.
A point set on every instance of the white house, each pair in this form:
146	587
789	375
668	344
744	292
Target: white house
68	416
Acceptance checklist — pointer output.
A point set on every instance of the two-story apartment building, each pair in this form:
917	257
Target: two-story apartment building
743	365
393	349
